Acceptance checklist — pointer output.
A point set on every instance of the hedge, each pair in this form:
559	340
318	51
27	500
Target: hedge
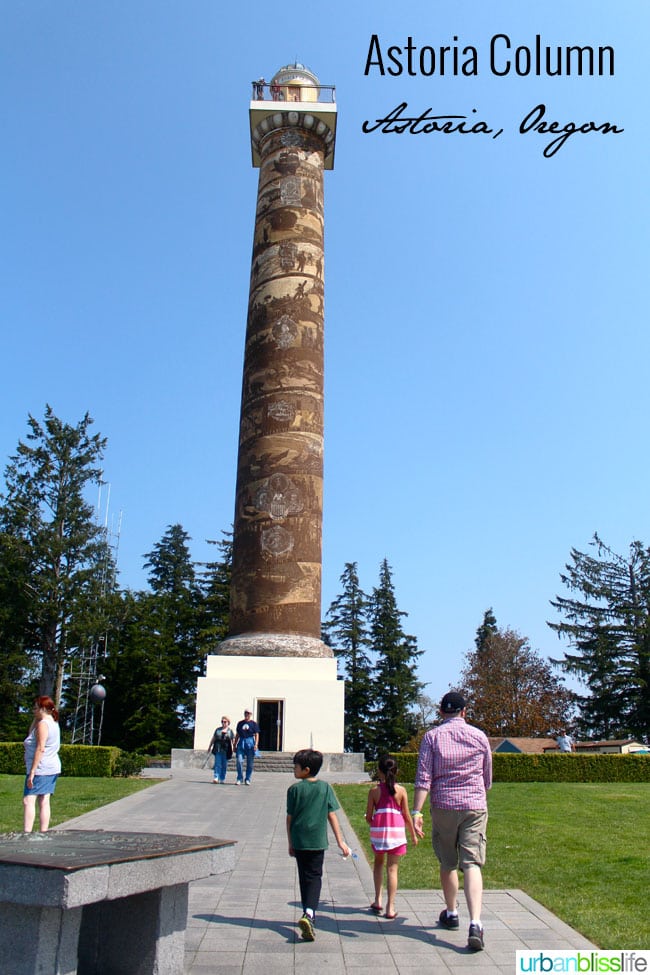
561	767
96	761
549	767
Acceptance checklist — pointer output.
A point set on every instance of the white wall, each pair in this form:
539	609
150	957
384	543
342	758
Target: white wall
313	698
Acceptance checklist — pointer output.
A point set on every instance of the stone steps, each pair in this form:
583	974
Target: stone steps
344	762
274	762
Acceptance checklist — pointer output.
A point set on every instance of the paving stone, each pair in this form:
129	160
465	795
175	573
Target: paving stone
245	923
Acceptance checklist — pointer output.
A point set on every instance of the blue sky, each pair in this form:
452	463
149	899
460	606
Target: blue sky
486	328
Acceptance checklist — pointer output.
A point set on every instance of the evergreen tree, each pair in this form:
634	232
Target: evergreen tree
154	660
158	651
171	570
141	711
511	691
176	594
214	584
57	550
18	676
345	630
487	629
607	625
395	679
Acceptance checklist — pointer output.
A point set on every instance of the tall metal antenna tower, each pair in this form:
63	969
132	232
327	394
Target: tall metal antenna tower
87	723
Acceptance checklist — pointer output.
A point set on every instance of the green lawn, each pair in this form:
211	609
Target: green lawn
582	850
73	797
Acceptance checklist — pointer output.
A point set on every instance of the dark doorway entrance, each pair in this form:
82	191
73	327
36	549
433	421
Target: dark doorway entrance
269	718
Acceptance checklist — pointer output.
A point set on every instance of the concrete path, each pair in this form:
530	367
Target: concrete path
244	923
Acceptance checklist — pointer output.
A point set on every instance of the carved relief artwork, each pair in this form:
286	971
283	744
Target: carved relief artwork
311	197
290	191
287	377
277	541
288	252
290	137
279	497
285	332
288	162
281	411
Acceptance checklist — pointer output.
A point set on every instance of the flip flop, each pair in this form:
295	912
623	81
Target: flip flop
376	909
391	917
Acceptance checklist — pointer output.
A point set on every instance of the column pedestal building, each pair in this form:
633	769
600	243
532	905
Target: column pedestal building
274	661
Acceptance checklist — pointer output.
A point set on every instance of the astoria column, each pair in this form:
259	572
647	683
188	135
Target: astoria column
276	575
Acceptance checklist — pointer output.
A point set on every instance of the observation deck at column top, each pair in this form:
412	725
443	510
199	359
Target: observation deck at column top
292	92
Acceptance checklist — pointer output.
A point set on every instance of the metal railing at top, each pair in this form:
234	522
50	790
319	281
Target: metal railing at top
263	91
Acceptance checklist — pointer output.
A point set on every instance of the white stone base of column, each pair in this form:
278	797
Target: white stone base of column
273	645
307	688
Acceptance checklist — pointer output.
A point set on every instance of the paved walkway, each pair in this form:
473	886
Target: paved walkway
244	923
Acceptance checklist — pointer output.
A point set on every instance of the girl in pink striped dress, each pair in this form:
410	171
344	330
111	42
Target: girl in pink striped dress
388	813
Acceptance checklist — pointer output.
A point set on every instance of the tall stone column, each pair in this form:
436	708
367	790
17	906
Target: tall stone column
276	579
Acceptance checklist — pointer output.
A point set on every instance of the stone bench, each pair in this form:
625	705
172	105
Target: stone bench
93	902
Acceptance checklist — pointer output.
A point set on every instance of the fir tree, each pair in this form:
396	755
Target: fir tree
59	553
345	630
143	703
159	649
214	581
171	570
154	659
18	674
394	676
607	625
487	629
176	598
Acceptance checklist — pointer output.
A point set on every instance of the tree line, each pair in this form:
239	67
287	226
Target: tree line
60	600
379	663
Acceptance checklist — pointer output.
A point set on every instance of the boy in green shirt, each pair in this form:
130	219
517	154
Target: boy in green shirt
310	806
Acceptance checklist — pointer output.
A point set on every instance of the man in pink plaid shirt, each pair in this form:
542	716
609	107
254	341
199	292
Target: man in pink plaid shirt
455	768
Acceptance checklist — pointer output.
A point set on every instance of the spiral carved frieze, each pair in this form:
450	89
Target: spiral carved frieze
276	575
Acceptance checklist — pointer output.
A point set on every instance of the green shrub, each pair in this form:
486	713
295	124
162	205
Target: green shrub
12	758
93	760
548	767
129	763
96	761
558	767
406	766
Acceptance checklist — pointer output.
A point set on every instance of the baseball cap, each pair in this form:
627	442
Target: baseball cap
452	702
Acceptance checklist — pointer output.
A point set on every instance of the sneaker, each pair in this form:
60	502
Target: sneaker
246	782
216	781
237	782
306	925
449	921
475	939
